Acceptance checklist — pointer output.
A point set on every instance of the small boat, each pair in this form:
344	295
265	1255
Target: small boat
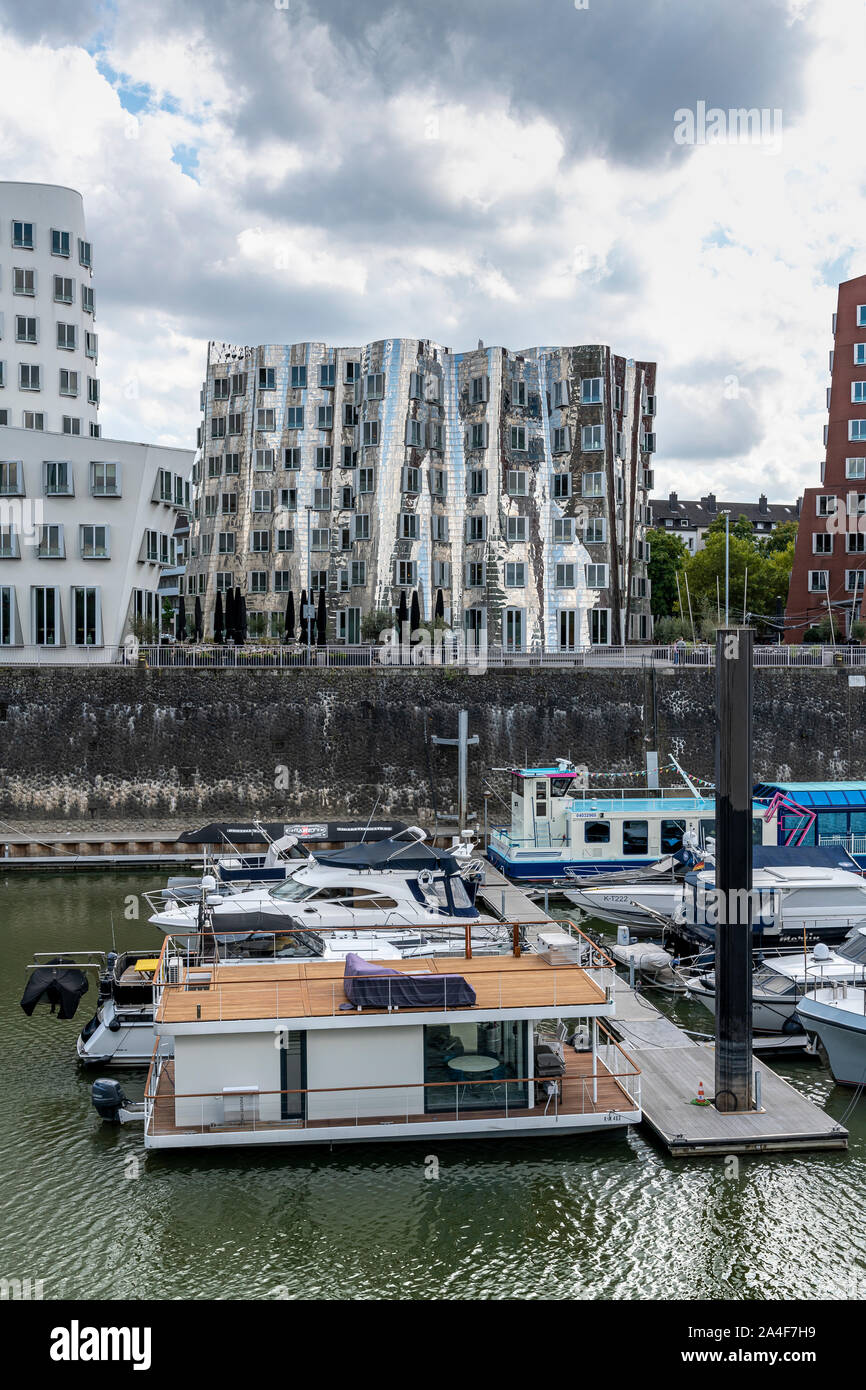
656	966
836	1014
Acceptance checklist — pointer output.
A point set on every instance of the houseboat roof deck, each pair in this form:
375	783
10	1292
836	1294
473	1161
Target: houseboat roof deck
215	992
637	803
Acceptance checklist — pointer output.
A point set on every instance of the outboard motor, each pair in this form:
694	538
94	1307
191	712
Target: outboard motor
108	1099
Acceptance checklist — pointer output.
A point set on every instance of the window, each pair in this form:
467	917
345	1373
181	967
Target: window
350	416
23	281
515	575
563	531
565	576
229	503
59	243
264	461
239	383
477	482
92	391
408	526
50	543
516	484
267	379
258	581
596	832
64	290
57	478
371	433
414	434
858	392
358	573
596	530
857	429
592	438
327	375
562	440
478	436
475	574
518	437
648	443
560	394
818	580
226	543
299	378
596	576
265	419
236	422
105	479
67	336
561	485
591	391
635	837
406	572
26	329
861	315
826	505
85	254
11	478
294	417
855	468
46	617
439	528
599	626
361	527
323	456
435	436
855	543
479	388
476	528
22	236
375	386
28	376
515	528
221	388
68	382
261	499
7	613
411	482
320	538
94	542
86	299
518	392
34	420
822	543
442	574
322	499
855	581
593	484
325	417
218	427
351	371
366	480
860	354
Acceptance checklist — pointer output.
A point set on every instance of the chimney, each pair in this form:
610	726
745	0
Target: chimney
672	500
710	501
762	504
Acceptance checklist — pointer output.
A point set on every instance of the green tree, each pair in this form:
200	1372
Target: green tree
668	556
783	536
768	576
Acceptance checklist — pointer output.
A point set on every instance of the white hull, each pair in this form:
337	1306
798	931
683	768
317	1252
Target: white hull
840	1025
633	904
769	1014
130	1045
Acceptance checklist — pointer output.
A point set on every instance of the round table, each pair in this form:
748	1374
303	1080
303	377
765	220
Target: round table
473	1063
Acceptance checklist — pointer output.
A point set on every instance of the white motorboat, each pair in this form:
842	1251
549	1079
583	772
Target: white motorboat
836	1014
780	982
633	904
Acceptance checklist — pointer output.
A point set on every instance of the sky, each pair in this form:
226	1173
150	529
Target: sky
523	172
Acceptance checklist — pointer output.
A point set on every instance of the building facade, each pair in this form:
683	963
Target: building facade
48	341
84	538
506	491
690	521
830	560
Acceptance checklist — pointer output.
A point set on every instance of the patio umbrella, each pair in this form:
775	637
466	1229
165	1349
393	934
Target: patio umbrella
242	606
180	620
218	621
229	616
440	606
237	616
289	633
197	624
322	620
402	619
303	627
415	620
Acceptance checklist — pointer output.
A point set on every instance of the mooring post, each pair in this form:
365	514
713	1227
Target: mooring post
733	966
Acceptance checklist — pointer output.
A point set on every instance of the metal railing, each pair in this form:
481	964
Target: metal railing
453	654
855	844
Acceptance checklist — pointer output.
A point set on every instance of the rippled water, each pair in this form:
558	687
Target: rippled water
86	1210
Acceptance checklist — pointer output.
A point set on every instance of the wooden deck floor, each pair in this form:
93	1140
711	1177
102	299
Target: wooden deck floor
305	989
576	1099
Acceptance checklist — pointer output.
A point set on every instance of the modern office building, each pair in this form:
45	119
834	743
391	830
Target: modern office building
830	560
691	520
48	341
506	490
87	525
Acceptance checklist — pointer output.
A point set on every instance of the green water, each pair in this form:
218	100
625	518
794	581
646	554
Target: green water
87	1211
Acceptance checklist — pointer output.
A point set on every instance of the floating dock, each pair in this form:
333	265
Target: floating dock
673	1065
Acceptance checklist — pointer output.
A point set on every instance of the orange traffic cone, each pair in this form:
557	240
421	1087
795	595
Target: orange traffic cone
700	1098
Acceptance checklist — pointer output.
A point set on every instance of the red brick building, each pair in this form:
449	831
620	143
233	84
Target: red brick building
830	560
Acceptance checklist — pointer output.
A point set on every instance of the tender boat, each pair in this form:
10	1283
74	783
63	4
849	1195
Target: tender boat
836	1014
451	1047
791	905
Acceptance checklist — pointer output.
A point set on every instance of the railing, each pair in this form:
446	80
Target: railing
610	1087
855	844
453	654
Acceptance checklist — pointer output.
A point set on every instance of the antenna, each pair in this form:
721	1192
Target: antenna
369	822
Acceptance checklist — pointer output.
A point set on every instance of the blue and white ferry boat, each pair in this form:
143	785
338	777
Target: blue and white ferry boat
560	827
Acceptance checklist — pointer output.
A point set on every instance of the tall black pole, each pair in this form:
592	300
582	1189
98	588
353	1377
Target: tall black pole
734	868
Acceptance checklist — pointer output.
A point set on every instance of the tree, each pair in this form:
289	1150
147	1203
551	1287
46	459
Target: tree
322	620
218	620
778	540
767	579
375	623
415	613
668	556
289	628
180	621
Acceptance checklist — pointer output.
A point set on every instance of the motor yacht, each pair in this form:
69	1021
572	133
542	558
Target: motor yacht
836	1015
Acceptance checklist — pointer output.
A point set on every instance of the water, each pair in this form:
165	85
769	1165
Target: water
89	1212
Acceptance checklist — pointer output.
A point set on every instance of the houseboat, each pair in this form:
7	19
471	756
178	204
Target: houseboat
312	1050
562	828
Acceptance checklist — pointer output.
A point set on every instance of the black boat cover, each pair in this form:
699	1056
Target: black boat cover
393	853
248	833
60	984
371	985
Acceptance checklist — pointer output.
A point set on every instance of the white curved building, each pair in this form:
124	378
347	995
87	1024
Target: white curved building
48	341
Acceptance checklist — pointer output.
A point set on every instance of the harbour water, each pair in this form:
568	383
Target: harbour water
87	1212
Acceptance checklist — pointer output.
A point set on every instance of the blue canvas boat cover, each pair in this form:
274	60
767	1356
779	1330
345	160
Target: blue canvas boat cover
373	986
394	853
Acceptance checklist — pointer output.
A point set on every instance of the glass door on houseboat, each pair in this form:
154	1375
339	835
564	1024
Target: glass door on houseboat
293	1075
472	1062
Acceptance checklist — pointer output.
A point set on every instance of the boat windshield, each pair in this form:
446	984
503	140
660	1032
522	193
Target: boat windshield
769	981
292	891
854	946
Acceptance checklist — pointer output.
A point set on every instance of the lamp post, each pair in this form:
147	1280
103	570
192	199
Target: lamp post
727	568
309	609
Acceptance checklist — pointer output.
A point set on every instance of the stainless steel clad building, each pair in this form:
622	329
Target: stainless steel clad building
508	490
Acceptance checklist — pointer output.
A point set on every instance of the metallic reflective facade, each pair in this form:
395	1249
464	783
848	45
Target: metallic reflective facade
516	483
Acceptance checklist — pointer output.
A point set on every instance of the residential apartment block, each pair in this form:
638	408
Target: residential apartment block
690	521
508	489
830	560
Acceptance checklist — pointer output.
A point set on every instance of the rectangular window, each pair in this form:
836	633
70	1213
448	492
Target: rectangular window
94	543
327	375
414	434
475	574
366	480
375	386
477	482
563	530
261	542
358	573
591	392
478	435
86	299
411	481
515	528
860	354
105	479
261	499
593	484
476	528
599	626
858	392
323	456
855	581
28	376
11	478
282	583
226	543
59	243
818	580
562	440
26	329
50	544
361	526
518	438
435	436
67	336
258	581
515	575
408	526
560	394
822	543
266	419
351	372
855	543
267	379
439	527
294	417
288	499
515	483
325	417
635	837
857	429
479	389
22	236
292	457
57	478
596	530
46	617
85	254
322	499
23	281
350	416
561	485
232	463
64	290
92	391
7	612
285	539
34	420
826	505
68	382
229	503
592	438
299	377
518	392
596	576
565	576
855	468
371	433
221	388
